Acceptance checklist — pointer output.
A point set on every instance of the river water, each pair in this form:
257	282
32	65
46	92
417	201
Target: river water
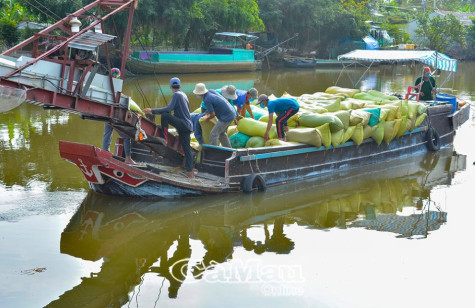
397	235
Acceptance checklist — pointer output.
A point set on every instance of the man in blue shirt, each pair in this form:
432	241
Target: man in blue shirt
216	106
180	119
284	108
241	99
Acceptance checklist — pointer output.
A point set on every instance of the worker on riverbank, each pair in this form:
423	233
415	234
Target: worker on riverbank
284	108
180	119
216	106
427	85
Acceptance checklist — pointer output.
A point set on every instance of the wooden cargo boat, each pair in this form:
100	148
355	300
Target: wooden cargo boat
232	170
226	54
66	77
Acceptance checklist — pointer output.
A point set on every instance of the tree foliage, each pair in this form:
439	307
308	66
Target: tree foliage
439	33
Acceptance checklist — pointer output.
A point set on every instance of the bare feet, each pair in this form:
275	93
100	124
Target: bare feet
190	174
129	161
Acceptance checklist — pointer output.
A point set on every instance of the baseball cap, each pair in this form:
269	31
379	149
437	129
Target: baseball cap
262	97
175	82
253	93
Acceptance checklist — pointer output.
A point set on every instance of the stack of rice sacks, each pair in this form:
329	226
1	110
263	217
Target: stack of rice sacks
334	117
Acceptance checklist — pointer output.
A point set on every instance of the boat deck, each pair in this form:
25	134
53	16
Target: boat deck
179	174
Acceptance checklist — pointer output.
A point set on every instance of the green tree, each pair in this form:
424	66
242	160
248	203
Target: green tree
440	33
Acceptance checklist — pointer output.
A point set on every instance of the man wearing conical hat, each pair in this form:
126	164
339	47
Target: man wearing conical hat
216	106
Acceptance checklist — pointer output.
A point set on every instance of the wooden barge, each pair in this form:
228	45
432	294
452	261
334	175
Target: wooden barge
223	170
67	77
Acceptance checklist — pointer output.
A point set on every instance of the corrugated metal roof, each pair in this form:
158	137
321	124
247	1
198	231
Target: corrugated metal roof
235	34
429	57
90	40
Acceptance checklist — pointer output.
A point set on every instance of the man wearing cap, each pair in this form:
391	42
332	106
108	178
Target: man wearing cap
180	119
216	106
284	108
241	99
427	85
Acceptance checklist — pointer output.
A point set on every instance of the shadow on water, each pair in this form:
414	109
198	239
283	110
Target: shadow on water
135	237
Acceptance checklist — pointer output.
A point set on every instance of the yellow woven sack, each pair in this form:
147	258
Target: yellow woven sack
422	108
322	95
403	127
344	116
399	111
412	110
265	118
357	136
359	116
346	105
383	114
382	95
404	108
315	120
310	136
277	142
390	130
360	103
338	90
331	106
368	131
292	122
419	119
255	142
206	128
134	107
367	97
253	127
232	129
393	112
317	109
378	135
337	137
326	134
347	134
410	124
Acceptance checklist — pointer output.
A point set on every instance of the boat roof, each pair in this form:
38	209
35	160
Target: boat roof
236	34
90	40
429	57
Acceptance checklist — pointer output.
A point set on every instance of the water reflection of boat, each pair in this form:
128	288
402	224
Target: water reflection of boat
134	236
148	86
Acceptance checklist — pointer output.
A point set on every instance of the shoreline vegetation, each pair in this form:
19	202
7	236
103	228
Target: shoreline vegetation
326	28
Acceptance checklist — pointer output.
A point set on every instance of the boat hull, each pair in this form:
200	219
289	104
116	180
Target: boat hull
300	63
275	165
138	66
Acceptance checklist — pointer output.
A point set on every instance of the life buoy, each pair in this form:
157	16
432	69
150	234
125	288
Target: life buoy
433	140
253	182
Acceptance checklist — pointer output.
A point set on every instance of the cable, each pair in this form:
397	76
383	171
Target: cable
154	73
49	16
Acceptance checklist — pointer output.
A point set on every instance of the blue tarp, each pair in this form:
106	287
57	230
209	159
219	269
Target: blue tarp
371	43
